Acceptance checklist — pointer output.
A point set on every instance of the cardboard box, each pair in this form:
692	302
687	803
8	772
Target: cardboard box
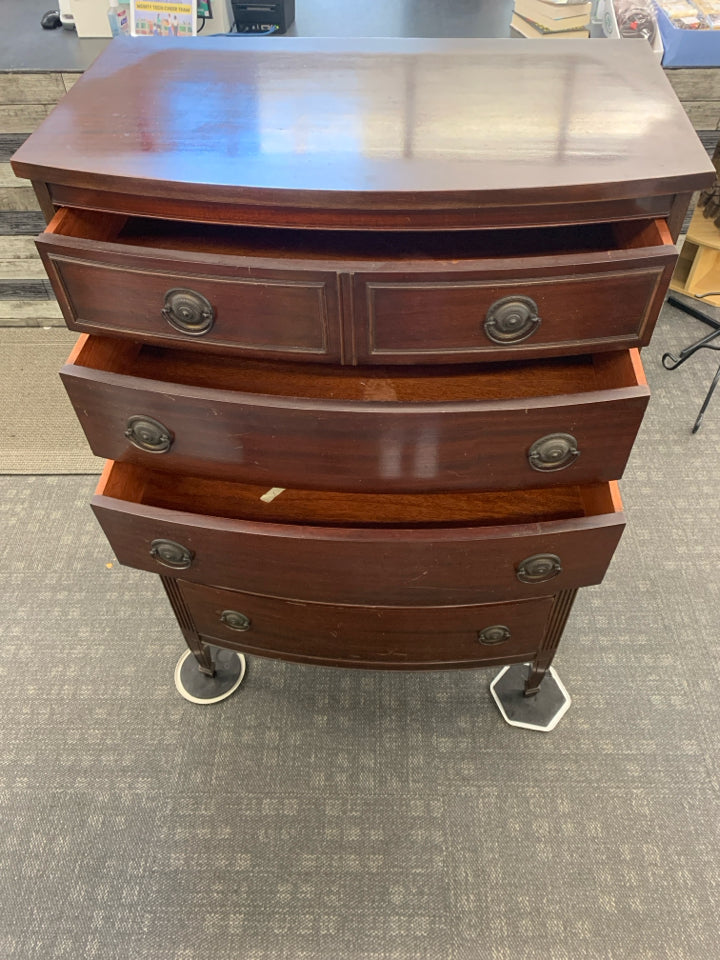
688	48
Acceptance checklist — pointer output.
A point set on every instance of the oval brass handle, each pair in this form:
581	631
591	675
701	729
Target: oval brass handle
556	451
494	635
539	568
235	620
171	554
511	320
188	311
148	434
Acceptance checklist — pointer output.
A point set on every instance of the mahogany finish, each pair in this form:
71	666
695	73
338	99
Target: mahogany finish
409	297
443	313
363	317
391	430
449	550
405	637
365	217
392	128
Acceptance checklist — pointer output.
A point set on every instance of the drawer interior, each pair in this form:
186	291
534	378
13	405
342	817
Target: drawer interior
491	381
241	501
369	246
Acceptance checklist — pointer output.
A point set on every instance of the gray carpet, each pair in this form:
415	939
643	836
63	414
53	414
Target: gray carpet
322	814
39	433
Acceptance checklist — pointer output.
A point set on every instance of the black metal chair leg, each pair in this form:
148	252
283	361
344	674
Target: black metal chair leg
706	401
705	343
671	362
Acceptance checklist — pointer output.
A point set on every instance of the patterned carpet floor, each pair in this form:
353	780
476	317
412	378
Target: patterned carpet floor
322	814
39	433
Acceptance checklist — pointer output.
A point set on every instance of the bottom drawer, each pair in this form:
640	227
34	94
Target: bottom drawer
340	635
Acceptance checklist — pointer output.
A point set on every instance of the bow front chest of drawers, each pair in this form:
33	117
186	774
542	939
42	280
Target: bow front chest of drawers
360	329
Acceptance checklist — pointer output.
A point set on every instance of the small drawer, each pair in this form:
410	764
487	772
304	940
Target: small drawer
491	426
370	549
177	283
538	293
355	636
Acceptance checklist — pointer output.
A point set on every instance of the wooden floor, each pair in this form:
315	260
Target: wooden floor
26	299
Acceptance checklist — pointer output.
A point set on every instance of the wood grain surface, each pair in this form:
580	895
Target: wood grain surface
379	637
385	429
381	298
370	550
402	127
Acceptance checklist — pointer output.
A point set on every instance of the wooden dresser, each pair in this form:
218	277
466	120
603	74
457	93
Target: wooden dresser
361	326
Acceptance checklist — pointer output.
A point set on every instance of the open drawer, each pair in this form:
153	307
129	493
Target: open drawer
490	426
384	549
600	287
407	297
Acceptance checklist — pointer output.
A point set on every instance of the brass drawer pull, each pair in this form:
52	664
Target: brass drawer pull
494	635
188	311
539	568
171	554
149	434
556	451
235	620
511	320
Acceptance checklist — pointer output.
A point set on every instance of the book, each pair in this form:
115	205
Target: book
554	16
527	29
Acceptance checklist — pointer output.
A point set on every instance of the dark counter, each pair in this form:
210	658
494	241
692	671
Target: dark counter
25	46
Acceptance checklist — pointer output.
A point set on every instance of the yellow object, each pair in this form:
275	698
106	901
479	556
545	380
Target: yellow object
698	269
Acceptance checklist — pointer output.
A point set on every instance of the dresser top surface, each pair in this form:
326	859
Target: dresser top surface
314	122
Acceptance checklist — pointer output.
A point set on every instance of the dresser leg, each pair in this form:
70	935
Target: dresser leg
200	651
532	699
548	648
205	673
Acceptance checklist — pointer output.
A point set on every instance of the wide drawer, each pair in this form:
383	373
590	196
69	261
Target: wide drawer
354	636
384	549
364	297
491	426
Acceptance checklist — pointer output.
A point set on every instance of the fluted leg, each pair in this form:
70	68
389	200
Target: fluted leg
554	630
533	700
184	618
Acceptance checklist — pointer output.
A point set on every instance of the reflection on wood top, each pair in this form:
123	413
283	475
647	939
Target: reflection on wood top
305	122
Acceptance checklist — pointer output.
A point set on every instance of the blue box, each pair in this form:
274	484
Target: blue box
687	48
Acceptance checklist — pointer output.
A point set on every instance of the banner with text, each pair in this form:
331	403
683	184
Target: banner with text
154	18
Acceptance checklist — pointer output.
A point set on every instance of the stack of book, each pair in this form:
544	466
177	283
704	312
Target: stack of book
551	18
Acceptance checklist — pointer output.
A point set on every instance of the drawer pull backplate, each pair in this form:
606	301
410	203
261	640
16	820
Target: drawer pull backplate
171	554
556	451
539	568
494	635
511	320
188	311
148	434
235	620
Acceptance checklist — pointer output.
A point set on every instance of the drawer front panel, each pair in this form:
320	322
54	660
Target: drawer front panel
405	637
441	320
357	446
401	303
260	311
386	566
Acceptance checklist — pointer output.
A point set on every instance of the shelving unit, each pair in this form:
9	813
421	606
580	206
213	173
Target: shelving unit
698	269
